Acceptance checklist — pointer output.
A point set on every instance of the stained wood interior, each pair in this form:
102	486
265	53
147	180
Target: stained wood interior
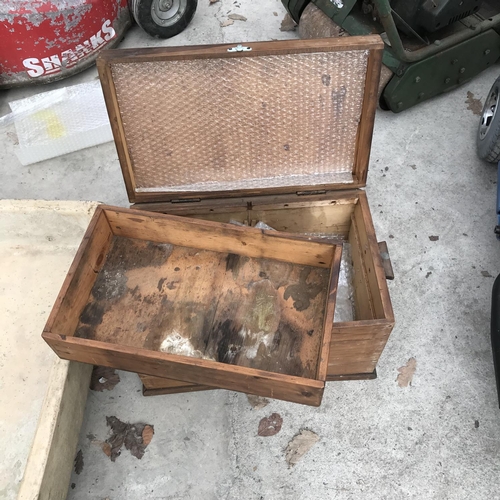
314	215
220	306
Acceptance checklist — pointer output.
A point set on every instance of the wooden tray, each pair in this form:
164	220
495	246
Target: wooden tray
207	303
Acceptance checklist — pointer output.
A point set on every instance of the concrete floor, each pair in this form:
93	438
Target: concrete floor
439	438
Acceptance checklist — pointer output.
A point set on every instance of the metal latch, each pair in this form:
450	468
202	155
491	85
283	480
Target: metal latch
239	48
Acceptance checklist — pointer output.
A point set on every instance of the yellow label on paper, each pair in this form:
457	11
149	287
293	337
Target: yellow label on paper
53	124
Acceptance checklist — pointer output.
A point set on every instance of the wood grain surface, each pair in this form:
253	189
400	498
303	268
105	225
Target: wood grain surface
258	313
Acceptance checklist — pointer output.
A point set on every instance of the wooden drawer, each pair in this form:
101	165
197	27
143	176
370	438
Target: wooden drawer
355	346
236	308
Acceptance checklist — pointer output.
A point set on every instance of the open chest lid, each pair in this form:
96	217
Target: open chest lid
229	120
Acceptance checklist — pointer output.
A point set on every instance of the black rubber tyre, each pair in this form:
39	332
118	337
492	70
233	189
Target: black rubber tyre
488	133
495	331
163	18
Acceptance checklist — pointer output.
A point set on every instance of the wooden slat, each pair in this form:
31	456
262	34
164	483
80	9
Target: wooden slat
175	390
207	235
372	262
324	351
352	376
81	275
155	386
198	371
281	47
361	330
314	213
363	304
367	121
115	119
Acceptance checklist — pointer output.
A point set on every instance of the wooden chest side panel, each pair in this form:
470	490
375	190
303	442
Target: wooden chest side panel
196	371
372	262
81	276
356	356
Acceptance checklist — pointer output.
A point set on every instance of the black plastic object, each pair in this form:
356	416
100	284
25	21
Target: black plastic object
163	18
431	15
495	331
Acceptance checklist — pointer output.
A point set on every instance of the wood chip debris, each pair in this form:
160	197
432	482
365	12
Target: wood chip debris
211	2
227	22
288	24
269	426
434	238
299	446
103	378
257	402
237	17
406	372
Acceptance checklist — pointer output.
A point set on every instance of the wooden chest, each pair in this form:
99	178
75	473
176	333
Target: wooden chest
277	133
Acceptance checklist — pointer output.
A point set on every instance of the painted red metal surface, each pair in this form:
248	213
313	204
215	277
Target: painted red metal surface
43	41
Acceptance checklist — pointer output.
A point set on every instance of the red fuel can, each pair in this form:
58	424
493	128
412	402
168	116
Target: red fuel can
44	41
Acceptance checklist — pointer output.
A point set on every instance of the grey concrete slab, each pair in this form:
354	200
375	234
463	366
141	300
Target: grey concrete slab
439	438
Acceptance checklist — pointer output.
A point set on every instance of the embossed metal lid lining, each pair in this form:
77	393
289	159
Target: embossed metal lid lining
281	117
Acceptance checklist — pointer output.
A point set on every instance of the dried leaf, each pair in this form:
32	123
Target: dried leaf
288	24
211	2
269	426
103	378
130	435
474	105
257	402
406	373
79	462
434	238
275	14
147	435
300	445
227	22
486	274
237	17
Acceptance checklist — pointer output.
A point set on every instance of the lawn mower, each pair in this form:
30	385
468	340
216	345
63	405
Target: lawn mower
431	46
